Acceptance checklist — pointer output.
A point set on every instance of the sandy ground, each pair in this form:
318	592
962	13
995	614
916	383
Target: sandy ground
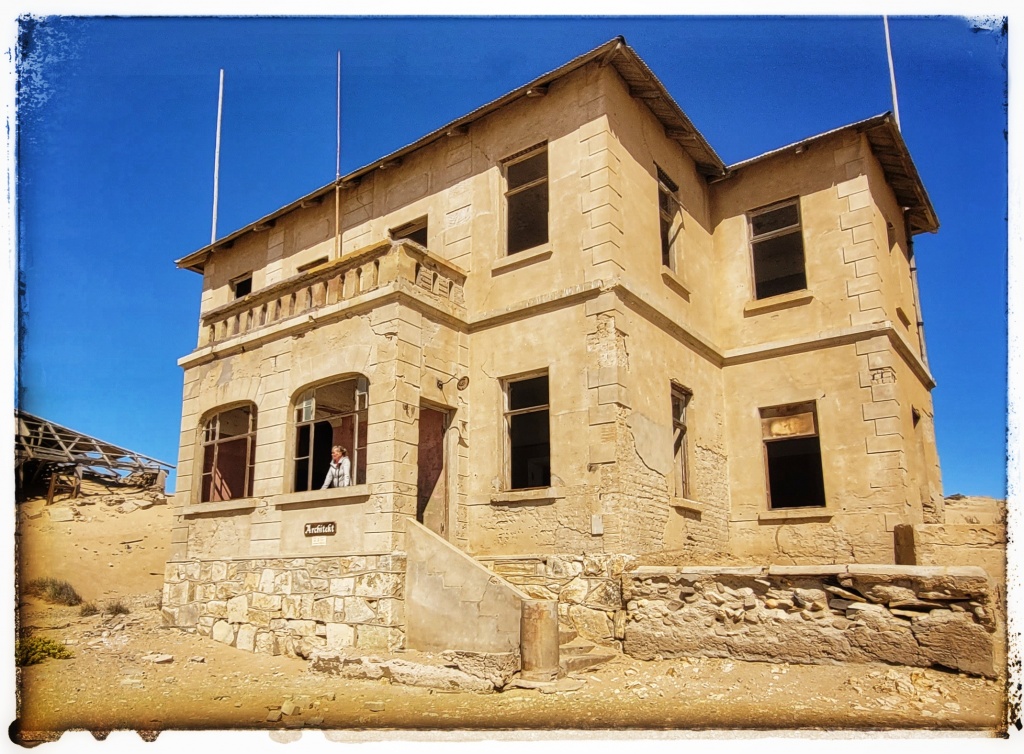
113	682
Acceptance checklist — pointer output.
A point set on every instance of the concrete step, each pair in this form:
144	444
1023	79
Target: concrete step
574	663
575	647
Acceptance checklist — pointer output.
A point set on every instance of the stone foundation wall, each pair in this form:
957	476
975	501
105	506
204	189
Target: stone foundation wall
290	605
905	615
588	589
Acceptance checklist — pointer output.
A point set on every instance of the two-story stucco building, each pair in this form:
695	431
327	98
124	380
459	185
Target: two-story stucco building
556	327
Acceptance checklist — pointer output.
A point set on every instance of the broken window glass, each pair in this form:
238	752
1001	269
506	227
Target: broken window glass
229	453
527	199
777	246
671	219
680	400
329	415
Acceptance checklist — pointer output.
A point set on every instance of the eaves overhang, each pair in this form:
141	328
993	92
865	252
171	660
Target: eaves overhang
891	151
642	83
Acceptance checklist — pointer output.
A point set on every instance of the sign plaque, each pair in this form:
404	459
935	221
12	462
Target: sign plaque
326	528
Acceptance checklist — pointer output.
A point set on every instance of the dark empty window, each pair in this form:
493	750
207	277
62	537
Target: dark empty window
414	231
229	452
680	400
778	249
671	218
527	198
242	286
334	414
528	433
792	454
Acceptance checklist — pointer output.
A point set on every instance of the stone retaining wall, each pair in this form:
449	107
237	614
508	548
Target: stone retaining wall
904	615
290	605
588	589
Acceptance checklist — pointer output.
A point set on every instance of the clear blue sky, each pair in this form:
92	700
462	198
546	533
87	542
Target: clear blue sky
115	170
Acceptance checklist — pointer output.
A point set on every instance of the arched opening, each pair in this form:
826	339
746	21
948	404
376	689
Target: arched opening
331	414
229	452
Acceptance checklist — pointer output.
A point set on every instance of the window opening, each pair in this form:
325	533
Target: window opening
413	231
792	453
671	218
528	433
527	199
680	400
310	265
242	286
777	246
229	452
334	414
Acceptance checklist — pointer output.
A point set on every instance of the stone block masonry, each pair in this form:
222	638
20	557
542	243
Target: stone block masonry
290	605
909	615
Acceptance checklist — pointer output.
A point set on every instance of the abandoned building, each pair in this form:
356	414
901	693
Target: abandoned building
554	336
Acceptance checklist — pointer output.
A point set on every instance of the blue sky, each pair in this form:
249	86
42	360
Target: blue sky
115	170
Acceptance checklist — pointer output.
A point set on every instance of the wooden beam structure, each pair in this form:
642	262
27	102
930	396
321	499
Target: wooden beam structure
37	439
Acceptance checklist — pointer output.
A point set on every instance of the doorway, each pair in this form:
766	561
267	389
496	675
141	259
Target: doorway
431	481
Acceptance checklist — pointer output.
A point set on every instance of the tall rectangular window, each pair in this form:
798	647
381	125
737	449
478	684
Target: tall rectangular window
529	438
229	455
527	199
671	219
777	246
680	400
792	454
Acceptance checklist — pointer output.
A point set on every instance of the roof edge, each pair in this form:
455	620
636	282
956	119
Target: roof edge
605	53
901	174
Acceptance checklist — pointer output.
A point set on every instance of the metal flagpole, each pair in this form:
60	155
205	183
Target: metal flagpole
892	73
337	167
216	157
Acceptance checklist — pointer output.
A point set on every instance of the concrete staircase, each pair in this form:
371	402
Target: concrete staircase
576	655
452	602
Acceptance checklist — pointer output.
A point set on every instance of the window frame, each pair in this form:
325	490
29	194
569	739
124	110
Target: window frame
796	229
680	454
403	231
211	426
784	411
235	282
515	159
361	393
508	413
670	219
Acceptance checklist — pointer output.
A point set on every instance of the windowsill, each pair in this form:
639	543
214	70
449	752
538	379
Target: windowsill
340	495
675	282
688	505
795	514
521	259
241	504
774	303
532	495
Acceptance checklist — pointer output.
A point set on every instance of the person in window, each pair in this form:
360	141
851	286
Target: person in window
339	474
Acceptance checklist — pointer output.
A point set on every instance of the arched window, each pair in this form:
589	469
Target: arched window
328	415
229	451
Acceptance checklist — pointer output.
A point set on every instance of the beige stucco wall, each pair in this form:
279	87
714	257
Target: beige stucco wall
613	329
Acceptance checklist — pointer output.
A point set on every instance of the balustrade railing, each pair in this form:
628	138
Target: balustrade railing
344	279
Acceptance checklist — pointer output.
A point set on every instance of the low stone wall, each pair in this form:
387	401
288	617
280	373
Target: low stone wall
982	545
904	615
290	605
588	589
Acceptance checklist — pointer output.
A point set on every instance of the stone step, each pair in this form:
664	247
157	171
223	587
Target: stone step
576	663
566	635
575	647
